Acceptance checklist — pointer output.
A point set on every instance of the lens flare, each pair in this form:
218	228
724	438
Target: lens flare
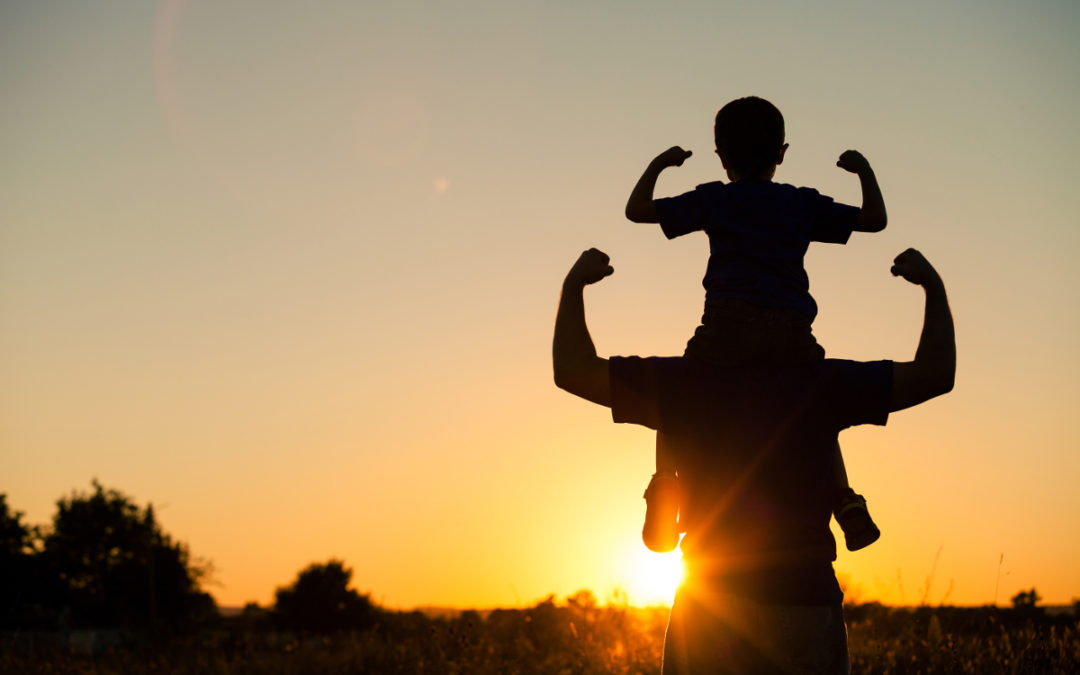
651	578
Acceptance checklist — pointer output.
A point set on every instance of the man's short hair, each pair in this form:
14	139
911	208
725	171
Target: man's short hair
749	133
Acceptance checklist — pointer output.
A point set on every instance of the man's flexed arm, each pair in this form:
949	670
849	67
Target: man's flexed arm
640	207
578	369
933	371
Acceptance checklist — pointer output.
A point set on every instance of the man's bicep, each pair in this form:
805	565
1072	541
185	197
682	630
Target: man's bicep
868	222
591	382
910	386
642	212
857	392
634	390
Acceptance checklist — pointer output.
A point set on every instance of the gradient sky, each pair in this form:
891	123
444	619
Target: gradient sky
291	275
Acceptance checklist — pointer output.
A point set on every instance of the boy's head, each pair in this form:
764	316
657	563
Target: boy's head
750	138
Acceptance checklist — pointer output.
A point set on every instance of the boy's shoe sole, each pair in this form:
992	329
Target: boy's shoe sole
854	519
661	530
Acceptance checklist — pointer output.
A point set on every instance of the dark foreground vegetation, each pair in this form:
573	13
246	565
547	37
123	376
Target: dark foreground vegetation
104	590
577	636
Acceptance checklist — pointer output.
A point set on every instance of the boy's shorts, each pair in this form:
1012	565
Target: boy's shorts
734	332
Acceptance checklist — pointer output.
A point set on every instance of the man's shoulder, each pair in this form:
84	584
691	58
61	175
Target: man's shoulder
857	392
639	384
676	365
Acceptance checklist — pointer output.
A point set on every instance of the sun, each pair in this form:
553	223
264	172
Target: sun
650	578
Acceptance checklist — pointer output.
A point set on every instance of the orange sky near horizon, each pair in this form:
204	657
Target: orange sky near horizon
291	276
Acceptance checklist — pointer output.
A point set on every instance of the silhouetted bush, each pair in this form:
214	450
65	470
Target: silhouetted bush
321	601
1027	602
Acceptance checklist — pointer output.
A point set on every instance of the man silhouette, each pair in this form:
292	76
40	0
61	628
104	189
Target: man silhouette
755	446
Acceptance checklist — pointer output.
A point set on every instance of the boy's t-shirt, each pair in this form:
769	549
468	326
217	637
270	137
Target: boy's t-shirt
758	235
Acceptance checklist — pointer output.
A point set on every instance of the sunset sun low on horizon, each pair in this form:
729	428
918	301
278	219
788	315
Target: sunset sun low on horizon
290	274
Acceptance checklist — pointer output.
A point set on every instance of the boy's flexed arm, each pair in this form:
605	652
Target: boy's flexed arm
872	217
640	207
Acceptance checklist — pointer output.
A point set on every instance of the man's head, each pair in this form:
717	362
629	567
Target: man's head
750	138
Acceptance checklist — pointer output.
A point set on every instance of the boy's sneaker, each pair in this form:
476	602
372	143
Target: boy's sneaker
661	531
859	528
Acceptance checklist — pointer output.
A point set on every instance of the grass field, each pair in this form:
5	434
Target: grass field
573	637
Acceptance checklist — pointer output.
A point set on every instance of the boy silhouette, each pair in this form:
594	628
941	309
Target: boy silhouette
758	308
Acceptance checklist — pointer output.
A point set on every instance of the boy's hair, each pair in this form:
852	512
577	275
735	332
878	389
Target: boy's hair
749	133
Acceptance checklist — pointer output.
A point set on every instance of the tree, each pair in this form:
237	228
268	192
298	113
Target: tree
320	600
118	568
14	536
22	584
1026	600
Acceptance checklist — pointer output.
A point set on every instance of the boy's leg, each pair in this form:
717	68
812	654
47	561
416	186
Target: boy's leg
840	480
661	530
850	511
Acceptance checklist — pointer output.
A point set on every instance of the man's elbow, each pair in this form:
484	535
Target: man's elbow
563	380
948	381
941	381
568	377
872	222
585	380
638	213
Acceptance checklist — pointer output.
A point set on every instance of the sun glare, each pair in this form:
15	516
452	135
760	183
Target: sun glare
651	578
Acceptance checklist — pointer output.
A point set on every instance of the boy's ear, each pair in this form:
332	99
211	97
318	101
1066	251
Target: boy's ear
732	175
780	155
